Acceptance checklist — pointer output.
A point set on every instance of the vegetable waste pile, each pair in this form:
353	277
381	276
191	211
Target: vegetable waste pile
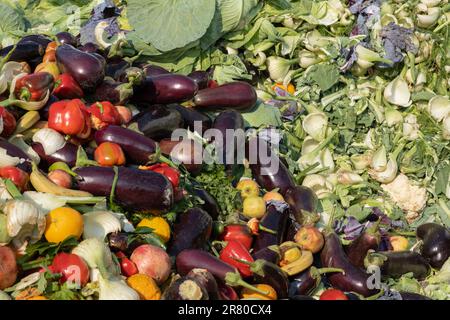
100	201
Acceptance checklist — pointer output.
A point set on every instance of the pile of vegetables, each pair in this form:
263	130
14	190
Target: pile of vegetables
99	200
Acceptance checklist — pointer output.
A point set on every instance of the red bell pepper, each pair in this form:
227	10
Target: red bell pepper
127	266
103	114
67	88
172	174
19	177
69	117
238	232
33	87
235	251
8	123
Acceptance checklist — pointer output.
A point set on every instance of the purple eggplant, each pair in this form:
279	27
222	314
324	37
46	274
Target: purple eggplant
36	38
165	89
436	243
66	38
185	288
306	282
115	92
353	279
190	259
156	122
269	273
67	154
274	219
137	147
87	69
368	240
23	52
207	280
153	70
43	112
192	231
394	264
138	190
230	148
271	254
303	202
14	151
193	119
239	96
116	67
201	78
89	48
210	204
267	168
412	296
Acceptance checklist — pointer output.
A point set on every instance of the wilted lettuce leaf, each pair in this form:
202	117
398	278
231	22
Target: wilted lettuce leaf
227	17
168	25
10	20
324	75
262	115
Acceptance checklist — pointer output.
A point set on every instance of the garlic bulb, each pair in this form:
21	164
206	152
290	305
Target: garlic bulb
397	92
25	221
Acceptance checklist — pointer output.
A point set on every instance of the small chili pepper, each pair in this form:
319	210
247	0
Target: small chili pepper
238	232
33	87
127	266
9	123
50	52
172	174
67	88
255	227
234	252
103	114
69	117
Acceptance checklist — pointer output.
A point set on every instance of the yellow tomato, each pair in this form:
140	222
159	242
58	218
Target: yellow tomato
249	293
145	286
254	207
273	195
159	225
62	223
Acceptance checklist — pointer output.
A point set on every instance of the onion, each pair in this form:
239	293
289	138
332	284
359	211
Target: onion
6	160
50	139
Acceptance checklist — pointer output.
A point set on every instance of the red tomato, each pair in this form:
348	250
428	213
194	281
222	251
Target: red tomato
71	267
17	176
109	154
172	174
333	294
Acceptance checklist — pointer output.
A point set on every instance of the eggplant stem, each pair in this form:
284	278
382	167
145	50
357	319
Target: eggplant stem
262	228
234	279
330	270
